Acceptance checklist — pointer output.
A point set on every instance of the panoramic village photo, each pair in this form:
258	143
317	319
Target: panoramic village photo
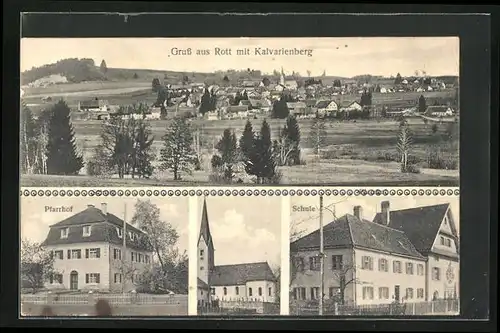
238	249
239	111
106	256
375	256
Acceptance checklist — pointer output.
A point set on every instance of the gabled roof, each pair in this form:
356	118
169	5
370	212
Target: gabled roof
323	104
349	231
202	284
239	274
103	229
420	224
205	227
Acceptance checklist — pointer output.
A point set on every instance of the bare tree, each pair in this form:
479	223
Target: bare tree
404	144
346	276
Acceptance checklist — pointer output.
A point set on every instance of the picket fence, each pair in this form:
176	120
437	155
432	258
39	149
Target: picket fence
438	307
238	307
113	299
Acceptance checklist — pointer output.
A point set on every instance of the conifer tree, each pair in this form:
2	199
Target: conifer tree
62	157
292	132
228	151
246	142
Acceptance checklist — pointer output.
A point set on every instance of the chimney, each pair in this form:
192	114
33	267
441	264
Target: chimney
104	208
90	206
385	207
358	212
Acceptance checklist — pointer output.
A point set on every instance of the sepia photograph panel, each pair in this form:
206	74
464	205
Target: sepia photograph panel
239	111
238	253
374	256
108	256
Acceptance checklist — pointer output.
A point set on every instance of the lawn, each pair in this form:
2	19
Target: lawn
83	87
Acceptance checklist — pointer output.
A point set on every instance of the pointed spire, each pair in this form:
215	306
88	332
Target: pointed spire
204	227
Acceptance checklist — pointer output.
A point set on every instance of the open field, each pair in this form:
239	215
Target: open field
362	152
84	87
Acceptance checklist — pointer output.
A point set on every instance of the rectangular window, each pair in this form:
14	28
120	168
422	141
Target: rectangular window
367	292
146	258
117	254
132	254
337	263
303	293
442	240
420	269
314	293
409	268
118	278
367	263
139	259
409	293
212	290
295	293
383	265
270	291
333	291
260	291
383	293
249	291
92	278
448	242
299	264
202	253
86	230
93	253
202	268
314	263
396	267
436	274
420	293
59	254
64	233
237	290
76	254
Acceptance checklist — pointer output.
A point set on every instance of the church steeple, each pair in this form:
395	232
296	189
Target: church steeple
205	227
206	250
282	77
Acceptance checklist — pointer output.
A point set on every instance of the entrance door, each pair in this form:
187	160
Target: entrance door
396	293
73	284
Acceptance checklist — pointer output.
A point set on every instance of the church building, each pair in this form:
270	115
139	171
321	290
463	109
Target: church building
239	281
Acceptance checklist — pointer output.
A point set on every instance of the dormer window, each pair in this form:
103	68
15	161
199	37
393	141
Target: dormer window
119	231
64	233
86	230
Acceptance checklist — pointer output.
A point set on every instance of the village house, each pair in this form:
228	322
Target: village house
408	255
350	106
439	111
246	281
89	252
296	108
327	108
264	104
94	104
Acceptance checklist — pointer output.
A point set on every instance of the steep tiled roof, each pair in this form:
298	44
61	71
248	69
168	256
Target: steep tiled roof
349	231
420	224
104	229
323	104
231	275
202	284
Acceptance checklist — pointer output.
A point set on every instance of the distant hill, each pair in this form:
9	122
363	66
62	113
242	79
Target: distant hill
79	70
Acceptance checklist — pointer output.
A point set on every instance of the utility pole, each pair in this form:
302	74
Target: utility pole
124	246
321	256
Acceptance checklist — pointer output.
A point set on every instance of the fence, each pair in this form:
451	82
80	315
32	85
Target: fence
122	304
238	307
438	307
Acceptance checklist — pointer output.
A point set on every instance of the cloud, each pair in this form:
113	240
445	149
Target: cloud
35	226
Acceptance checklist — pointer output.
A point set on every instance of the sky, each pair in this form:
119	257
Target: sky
244	229
35	221
344	57
309	221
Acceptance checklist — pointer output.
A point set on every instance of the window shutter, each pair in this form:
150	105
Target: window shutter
87	254
98	254
69	254
86	278
98	278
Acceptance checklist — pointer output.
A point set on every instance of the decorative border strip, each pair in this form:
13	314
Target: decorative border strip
292	191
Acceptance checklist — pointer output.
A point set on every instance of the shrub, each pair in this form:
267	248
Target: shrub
302	162
437	160
218	178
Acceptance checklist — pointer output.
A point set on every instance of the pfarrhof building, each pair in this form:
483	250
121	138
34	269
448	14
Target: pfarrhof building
245	282
406	255
89	252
